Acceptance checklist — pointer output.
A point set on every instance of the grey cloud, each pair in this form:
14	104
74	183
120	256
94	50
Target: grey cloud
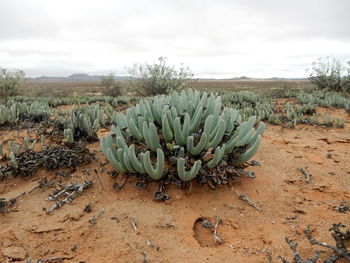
217	37
25	19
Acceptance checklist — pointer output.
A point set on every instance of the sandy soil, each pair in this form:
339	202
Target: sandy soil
173	231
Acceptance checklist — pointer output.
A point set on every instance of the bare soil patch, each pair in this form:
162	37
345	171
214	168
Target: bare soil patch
128	226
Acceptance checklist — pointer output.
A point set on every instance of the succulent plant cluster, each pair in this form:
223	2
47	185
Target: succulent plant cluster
303	111
16	111
249	104
324	99
188	130
10	114
58	101
85	121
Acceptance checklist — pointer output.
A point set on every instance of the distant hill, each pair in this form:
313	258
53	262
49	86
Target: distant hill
82	77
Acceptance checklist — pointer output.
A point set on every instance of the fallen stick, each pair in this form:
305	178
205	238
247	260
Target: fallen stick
306	173
3	205
99	179
71	191
93	220
217	239
133	222
248	201
53	259
297	257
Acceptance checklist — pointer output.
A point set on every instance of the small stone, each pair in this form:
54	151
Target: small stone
207	224
15	253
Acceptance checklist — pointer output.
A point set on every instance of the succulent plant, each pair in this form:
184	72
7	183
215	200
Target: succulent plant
84	121
2	154
180	129
13	161
42	142
10	114
14	147
68	135
26	142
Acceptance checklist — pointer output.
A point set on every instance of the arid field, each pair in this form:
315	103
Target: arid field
300	179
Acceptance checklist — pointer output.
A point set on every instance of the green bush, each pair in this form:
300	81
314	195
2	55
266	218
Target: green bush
330	74
10	82
111	87
158	78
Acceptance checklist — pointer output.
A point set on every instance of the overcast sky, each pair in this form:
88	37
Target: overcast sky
256	38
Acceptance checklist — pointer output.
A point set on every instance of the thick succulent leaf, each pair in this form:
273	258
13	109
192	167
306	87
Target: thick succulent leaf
114	161
136	163
251	151
219	153
187	175
196	150
154	173
135	130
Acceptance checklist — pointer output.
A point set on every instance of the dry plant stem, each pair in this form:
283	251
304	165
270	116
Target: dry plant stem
248	201
340	237
133	222
269	256
117	186
297	258
53	259
217	239
306	173
42	183
3	204
76	190
149	243
99	179
145	258
50	159
93	220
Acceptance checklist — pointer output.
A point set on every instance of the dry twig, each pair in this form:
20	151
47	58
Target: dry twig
217	239
133	222
306	173
248	201
70	191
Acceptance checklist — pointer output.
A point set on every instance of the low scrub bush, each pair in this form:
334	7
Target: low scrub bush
330	74
158	78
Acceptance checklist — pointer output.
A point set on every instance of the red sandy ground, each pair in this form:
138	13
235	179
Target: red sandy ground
288	204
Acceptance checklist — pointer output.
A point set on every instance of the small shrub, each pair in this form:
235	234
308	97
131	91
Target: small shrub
158	78
111	86
330	74
10	82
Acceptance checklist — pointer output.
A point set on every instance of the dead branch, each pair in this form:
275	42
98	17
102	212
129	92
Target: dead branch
93	220
53	259
149	243
217	239
133	222
340	250
306	173
70	191
99	179
248	201
3	205
297	258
